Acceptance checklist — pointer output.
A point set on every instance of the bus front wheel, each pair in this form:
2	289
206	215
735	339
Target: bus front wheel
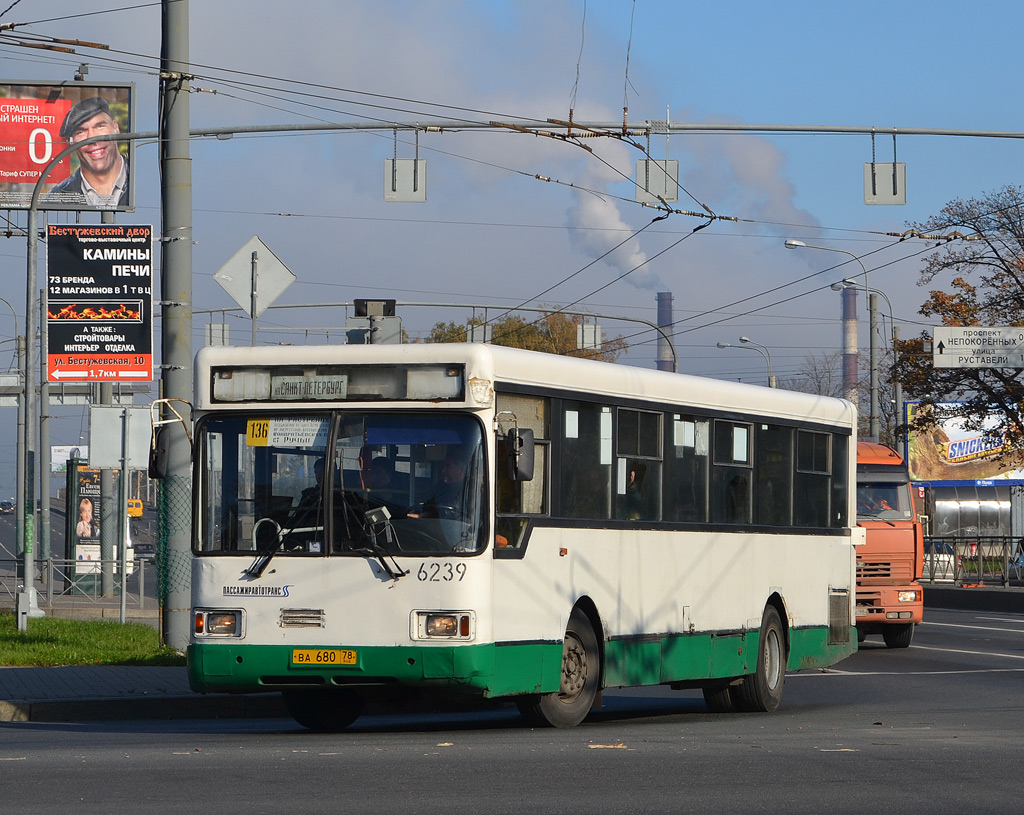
761	691
581	672
323	711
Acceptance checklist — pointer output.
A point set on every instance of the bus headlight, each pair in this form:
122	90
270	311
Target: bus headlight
445	625
217	623
907	596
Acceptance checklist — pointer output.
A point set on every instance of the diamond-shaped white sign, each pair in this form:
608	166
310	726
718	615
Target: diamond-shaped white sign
254	263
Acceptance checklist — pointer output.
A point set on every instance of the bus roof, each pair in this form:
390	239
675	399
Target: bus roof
513	366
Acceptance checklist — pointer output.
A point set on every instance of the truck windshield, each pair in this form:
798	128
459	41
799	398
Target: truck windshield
348	483
884	500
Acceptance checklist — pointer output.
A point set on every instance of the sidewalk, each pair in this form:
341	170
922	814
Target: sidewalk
89	693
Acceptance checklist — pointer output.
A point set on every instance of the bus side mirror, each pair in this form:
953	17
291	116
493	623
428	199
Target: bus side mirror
519	443
159	439
158	453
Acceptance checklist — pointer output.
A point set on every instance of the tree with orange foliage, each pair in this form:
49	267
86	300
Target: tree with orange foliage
553	332
985	288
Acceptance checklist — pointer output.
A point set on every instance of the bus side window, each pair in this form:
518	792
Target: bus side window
813	478
686	469
585	479
731	493
774	485
638	444
514	500
519	497
840	481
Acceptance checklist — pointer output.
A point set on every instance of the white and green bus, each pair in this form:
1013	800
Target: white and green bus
387	522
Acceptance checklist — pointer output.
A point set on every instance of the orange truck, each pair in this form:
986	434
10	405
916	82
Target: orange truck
890	563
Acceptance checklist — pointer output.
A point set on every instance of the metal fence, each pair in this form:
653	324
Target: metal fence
81	584
996	560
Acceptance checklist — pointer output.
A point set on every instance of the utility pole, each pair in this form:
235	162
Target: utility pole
175	510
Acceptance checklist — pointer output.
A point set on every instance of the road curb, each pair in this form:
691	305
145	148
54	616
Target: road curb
983	598
263	705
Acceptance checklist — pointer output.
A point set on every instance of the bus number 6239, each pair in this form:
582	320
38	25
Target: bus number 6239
443	572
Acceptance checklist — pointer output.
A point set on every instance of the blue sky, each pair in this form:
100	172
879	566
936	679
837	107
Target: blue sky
489	231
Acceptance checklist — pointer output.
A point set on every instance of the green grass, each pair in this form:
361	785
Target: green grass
51	641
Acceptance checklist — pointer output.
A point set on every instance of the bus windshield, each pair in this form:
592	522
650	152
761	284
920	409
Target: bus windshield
341	483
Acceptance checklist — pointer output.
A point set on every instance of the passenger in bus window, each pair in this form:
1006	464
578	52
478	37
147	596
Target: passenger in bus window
378	475
446	502
311	495
379	490
739	502
634	490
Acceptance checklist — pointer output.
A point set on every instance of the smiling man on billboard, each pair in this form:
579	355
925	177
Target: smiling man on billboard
102	176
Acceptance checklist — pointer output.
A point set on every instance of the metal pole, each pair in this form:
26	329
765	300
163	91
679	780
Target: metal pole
873	427
849	317
108	511
20	496
31	409
109	514
255	297
122	513
898	396
44	443
766	353
875	414
176	297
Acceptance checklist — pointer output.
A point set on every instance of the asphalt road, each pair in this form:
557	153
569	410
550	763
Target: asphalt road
931	729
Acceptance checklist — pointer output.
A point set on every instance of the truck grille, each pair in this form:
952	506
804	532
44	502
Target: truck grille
872	570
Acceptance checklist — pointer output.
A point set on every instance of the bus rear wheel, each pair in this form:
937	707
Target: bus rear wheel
761	691
721	698
581	673
324	711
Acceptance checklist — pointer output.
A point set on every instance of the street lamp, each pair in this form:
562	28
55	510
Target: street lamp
873	293
849	317
761	349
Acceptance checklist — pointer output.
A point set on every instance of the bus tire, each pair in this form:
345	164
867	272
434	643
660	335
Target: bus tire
721	698
761	691
581	673
323	711
898	636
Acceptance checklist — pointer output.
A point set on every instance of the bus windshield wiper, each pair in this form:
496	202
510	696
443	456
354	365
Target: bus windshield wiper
259	565
266	554
381	516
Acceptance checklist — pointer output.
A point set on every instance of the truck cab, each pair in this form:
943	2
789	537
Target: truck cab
890	599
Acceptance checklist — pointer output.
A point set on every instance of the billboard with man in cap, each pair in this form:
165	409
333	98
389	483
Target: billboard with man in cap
38	121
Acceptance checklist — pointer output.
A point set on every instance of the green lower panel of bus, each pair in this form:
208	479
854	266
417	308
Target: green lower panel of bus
652	661
491	670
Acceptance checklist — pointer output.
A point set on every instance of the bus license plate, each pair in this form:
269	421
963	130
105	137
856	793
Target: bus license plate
323	656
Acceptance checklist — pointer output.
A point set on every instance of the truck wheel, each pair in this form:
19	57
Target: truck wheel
898	636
